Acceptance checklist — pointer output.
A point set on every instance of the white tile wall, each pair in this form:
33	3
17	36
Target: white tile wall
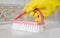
55	16
9	9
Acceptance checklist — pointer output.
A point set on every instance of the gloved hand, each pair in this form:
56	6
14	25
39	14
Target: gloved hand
45	6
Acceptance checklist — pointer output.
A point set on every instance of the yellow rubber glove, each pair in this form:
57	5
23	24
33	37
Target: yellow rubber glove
45	6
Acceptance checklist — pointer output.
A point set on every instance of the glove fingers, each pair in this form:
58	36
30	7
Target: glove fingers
32	13
35	15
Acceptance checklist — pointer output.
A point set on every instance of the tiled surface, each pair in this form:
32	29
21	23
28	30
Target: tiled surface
55	16
8	12
11	8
